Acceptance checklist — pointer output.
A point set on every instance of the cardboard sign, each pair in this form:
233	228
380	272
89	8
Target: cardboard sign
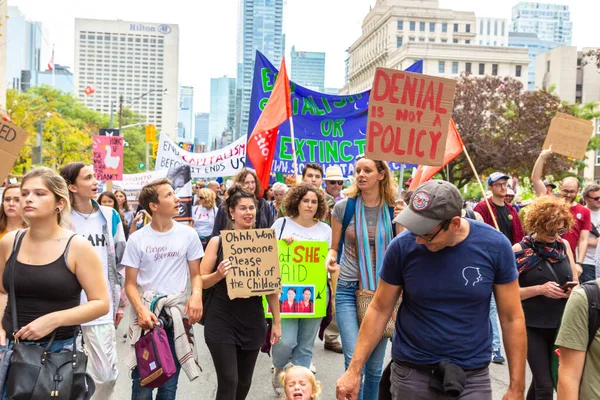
12	138
303	280
108	157
409	115
255	267
132	184
569	136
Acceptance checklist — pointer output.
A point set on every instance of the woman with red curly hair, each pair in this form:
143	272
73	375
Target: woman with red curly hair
547	276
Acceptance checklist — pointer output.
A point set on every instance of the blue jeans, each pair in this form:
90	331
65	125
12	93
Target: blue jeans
589	273
168	391
496	344
345	308
297	342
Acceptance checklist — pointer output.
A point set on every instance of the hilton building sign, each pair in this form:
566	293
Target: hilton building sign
164	29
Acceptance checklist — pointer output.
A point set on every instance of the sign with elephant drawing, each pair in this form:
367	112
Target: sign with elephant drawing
108	158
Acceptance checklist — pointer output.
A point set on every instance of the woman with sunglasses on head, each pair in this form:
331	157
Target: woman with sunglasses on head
547	276
367	235
11	217
204	213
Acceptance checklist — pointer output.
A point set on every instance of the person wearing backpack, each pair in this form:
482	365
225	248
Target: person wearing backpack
579	343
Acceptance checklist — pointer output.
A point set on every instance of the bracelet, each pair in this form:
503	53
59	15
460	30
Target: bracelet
578	263
197	289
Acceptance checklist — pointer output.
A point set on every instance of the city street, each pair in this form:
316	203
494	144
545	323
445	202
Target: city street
329	367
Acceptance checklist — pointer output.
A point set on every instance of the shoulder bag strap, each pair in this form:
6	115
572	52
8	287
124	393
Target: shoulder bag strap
592	292
13	266
552	271
348	214
282	227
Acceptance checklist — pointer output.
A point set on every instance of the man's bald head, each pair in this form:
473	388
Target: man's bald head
569	188
214	186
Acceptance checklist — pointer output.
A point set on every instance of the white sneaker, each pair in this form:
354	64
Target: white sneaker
275	381
313	369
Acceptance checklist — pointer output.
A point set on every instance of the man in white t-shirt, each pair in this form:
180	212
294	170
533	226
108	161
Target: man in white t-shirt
591	196
162	257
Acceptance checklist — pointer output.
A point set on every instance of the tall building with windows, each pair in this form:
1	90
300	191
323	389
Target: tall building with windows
201	124
23	49
308	69
222	108
260	27
396	33
136	60
534	46
185	116
3	63
550	22
492	31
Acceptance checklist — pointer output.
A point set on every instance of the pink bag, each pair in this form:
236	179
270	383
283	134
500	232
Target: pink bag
154	358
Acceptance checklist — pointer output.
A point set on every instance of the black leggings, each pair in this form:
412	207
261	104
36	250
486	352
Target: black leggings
232	383
540	342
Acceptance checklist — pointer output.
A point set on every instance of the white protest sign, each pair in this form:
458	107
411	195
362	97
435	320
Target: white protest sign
133	183
227	161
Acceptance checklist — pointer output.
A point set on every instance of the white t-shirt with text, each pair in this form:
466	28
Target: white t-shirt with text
204	220
162	257
321	232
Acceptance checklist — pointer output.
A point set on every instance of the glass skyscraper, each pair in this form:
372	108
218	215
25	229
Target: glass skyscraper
201	129
222	108
308	69
259	28
550	22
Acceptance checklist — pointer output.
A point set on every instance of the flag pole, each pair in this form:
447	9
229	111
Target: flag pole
400	179
53	85
295	160
481	187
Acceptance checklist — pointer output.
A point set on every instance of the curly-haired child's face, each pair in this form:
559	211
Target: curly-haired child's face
298	386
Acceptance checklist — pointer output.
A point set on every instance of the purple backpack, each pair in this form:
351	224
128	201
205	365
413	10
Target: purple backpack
154	358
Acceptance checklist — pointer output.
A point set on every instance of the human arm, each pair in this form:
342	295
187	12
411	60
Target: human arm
549	289
570	371
478	216
336	235
576	269
6	244
87	267
512	322
146	318
538	169
209	274
371	330
582	245
193	307
273	300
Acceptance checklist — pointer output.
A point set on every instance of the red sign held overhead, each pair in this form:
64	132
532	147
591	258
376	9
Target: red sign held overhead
409	115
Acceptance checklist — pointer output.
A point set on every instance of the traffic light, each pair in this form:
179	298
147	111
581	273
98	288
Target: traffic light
150	133
154	149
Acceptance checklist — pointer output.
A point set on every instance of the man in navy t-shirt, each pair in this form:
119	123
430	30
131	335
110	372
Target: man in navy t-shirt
446	268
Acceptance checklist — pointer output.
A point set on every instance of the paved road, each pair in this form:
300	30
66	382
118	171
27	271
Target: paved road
329	367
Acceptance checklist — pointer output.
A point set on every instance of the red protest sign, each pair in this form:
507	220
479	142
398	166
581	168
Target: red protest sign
409	115
108	157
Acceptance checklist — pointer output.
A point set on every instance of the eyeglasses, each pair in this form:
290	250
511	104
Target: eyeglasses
443	226
500	184
336	182
593	198
567	192
561	231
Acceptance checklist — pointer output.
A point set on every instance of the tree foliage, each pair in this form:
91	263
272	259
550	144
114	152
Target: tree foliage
504	127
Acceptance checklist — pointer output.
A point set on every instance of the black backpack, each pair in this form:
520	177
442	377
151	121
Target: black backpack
592	292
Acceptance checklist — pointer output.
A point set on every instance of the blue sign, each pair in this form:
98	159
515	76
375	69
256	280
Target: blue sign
328	129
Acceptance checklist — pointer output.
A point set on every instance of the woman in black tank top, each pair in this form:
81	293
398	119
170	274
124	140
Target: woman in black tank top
50	266
234	330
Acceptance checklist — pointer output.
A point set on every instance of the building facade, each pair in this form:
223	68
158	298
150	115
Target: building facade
397	33
139	61
201	124
308	69
260	27
185	116
23	49
534	46
3	59
222	108
492	31
550	22
61	79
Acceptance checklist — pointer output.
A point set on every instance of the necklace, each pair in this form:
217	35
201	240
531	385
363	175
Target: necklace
85	216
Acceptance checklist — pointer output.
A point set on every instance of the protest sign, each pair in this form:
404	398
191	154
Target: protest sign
409	116
12	138
328	129
108	157
227	161
569	136
255	267
131	184
303	280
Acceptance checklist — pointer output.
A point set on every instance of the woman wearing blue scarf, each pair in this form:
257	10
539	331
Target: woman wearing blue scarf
547	276
362	223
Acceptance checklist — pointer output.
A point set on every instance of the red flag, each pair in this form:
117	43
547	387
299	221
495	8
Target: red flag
263	140
454	146
89	90
51	62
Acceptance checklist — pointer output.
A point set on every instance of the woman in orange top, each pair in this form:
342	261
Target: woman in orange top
289	305
11	218
306	305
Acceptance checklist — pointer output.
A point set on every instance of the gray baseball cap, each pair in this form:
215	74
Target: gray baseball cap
431	203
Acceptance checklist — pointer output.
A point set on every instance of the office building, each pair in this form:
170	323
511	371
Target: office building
23	49
492	31
573	81
222	108
534	46
550	22
3	63
259	28
185	117
62	79
308	69
136	60
396	33
201	124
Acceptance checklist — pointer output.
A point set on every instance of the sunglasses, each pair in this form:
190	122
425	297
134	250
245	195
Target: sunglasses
201	198
561	231
594	198
336	182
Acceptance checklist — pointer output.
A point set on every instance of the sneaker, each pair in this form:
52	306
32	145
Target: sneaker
334	346
313	369
275	381
497	357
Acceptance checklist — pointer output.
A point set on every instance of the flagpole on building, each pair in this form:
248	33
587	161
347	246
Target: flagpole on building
53	65
401	180
295	160
481	187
